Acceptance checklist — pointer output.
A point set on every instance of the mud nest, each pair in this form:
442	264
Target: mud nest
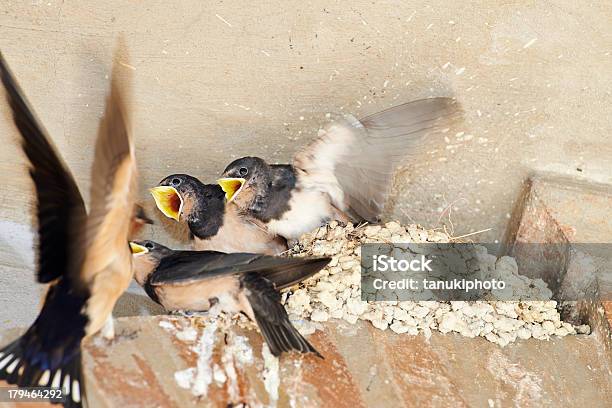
335	293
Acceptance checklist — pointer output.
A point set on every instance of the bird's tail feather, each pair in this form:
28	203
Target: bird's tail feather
271	316
283	337
24	366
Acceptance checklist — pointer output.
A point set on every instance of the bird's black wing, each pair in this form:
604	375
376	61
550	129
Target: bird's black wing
60	207
49	353
271	316
292	271
185	267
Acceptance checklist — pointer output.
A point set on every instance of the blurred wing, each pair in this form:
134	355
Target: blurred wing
113	185
354	160
60	208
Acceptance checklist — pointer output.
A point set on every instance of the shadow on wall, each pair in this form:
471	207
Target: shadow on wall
133	304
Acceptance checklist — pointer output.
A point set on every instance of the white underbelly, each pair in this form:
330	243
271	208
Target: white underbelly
308	209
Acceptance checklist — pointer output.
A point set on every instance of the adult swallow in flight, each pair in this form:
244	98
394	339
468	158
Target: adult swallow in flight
344	174
238	282
214	225
85	259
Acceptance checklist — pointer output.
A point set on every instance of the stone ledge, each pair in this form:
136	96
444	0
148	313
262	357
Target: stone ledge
363	366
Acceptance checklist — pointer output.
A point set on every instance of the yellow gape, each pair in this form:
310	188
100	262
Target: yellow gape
138	249
231	186
168	200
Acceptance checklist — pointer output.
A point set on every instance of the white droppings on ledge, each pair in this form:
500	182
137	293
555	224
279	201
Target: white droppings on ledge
270	375
198	378
241	350
184	378
167	325
189	334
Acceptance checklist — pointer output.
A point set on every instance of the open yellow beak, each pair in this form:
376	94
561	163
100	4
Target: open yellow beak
168	200
138	249
231	186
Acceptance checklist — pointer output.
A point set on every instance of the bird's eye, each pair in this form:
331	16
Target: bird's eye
175	182
243	171
149	245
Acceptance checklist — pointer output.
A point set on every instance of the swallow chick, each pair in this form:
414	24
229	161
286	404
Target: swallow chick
85	259
213	224
249	283
345	174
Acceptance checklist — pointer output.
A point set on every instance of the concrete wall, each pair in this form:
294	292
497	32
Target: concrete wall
217	80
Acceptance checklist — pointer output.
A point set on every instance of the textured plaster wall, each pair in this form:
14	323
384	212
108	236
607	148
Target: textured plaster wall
217	80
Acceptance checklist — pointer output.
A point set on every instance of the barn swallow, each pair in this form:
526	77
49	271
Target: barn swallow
233	283
345	174
85	259
213	225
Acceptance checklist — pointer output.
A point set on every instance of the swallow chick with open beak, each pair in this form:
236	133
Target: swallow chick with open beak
344	174
213	225
85	259
233	283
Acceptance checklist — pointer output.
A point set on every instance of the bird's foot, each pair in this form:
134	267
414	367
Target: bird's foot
127	335
188	313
